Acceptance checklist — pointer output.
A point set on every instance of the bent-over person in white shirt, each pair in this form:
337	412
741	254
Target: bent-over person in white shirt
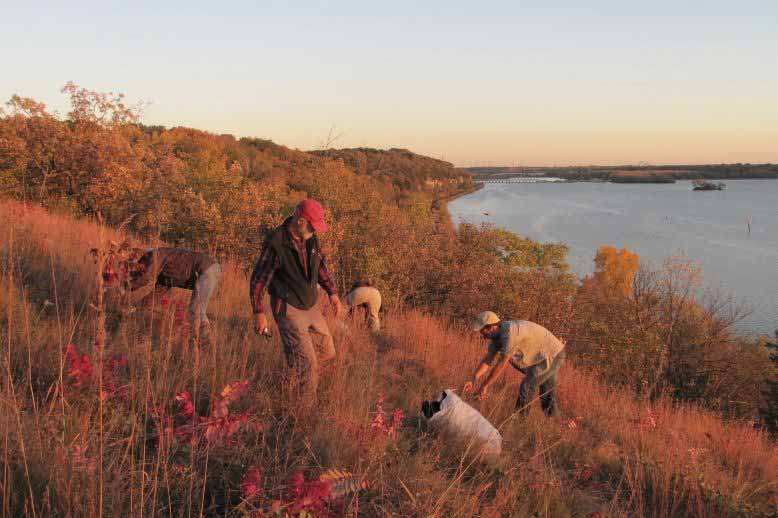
528	347
364	295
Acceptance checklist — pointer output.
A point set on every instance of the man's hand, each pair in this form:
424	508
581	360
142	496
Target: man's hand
260	324
483	394
467	387
336	305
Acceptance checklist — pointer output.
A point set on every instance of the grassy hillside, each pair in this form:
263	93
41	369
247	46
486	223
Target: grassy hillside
111	431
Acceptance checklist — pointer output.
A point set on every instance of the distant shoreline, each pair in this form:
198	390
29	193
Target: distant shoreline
626	180
632	174
477	186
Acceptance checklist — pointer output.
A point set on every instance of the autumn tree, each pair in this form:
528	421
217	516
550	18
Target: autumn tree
31	141
106	109
666	336
615	270
486	267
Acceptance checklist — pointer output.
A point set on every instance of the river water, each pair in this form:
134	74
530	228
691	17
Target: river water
656	221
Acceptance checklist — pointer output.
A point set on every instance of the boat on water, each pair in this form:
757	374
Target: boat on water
704	185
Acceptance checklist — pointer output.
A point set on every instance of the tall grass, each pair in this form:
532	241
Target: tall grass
118	445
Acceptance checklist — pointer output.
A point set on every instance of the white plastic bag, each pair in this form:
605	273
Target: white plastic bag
462	424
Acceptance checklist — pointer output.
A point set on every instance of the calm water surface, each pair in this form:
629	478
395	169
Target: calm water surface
656	221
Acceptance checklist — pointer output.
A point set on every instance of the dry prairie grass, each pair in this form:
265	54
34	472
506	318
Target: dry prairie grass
118	446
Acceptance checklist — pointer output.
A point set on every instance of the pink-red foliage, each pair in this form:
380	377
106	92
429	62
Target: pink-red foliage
311	496
222	424
81	372
251	485
189	427
184	423
382	425
79	367
320	497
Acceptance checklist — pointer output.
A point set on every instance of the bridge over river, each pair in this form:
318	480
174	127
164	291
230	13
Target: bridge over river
520	179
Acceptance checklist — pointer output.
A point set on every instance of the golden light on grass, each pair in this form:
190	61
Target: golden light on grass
622	456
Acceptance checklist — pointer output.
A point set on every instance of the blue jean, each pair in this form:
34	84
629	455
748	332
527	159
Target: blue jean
538	377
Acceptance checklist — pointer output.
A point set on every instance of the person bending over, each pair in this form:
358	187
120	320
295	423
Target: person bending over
364	295
528	347
170	268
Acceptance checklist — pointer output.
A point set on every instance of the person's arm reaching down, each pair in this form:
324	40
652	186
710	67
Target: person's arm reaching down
498	369
326	282
260	278
480	372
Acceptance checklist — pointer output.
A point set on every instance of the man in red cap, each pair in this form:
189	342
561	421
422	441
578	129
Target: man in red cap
292	267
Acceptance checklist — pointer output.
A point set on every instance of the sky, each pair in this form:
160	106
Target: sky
474	83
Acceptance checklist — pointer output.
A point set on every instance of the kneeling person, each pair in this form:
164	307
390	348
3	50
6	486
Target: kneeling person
528	347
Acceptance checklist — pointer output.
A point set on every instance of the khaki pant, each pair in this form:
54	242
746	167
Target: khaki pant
296	327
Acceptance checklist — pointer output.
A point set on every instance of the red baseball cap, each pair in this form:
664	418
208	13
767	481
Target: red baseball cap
312	210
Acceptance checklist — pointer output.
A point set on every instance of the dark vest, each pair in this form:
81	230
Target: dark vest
289	282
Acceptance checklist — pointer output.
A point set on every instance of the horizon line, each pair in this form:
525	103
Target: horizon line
643	166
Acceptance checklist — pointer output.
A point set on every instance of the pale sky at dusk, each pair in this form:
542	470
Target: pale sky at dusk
475	83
